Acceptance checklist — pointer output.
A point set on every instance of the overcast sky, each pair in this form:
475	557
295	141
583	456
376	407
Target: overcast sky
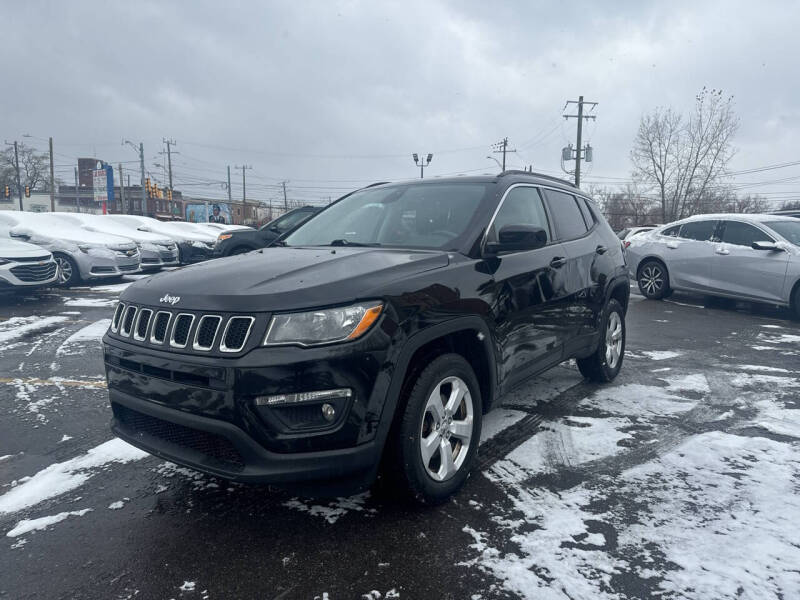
331	95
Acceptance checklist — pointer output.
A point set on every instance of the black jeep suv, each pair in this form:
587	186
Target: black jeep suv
376	335
239	241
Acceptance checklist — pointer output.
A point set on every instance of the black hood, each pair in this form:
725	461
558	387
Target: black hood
277	279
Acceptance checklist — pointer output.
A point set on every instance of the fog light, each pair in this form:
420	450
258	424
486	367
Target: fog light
328	412
317	396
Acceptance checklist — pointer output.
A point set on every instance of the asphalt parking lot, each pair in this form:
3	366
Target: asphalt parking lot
679	480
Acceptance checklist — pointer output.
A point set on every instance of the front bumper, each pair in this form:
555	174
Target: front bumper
94	265
200	411
190	253
28	274
152	259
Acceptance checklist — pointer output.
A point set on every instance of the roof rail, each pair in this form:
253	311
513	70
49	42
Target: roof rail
540	175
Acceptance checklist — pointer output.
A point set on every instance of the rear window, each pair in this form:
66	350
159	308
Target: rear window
672	231
588	215
567	217
701	231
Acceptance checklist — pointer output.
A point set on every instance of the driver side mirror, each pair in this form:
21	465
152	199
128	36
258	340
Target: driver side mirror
518	238
769	246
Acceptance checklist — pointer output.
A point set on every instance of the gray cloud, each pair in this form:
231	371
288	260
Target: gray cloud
321	92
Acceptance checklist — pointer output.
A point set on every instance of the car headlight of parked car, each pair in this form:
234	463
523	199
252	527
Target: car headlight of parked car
324	326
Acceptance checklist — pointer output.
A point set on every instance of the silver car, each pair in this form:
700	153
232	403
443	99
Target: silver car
25	266
747	257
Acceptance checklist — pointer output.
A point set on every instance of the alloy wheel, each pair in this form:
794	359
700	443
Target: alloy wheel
446	430
651	279
613	340
64	269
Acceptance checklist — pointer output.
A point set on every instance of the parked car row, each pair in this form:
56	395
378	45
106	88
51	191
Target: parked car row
42	249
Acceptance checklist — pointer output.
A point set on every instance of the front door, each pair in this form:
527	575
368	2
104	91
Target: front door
739	269
527	292
688	256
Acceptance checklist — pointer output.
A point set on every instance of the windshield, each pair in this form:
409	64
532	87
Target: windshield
788	229
411	215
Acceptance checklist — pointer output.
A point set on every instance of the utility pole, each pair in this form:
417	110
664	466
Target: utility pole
52	180
141	168
124	209
579	149
501	147
169	159
244	189
285	201
230	199
77	193
422	163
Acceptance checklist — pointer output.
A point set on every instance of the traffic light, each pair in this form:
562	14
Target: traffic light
147	186
169	195
27	191
7	192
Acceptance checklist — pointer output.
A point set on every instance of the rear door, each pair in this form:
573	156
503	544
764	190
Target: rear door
689	256
527	291
739	269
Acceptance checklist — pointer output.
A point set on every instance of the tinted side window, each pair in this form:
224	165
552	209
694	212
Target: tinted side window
588	216
288	221
671	231
698	230
567	217
743	234
522	206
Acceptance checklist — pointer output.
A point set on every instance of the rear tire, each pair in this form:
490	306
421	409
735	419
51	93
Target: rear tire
68	273
604	365
434	442
653	280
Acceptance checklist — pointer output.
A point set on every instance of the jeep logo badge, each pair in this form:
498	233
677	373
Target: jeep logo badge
167	299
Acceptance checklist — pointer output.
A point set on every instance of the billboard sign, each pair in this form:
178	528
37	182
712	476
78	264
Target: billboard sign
103	185
209	212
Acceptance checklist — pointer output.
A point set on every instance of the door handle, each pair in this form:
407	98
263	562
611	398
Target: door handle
601	249
558	262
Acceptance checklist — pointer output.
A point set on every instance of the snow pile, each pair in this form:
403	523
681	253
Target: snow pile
63	477
661	354
28	525
91	302
17	327
91	333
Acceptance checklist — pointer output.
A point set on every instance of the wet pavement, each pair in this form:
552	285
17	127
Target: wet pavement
679	480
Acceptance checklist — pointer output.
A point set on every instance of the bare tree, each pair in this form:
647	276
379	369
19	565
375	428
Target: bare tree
627	207
34	169
683	158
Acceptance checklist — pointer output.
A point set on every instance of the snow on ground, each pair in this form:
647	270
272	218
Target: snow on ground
661	354
332	510
91	333
90	302
28	525
114	288
63	477
18	327
499	419
710	517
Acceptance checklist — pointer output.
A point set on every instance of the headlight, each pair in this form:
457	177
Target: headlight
224	236
323	326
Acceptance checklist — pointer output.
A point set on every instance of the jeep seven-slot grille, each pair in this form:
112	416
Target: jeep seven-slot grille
188	331
215	447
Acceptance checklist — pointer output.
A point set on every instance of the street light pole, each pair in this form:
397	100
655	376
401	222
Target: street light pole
422	163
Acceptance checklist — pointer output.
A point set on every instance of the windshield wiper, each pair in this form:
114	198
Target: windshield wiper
344	242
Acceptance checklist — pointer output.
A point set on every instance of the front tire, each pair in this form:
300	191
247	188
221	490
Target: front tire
436	439
68	273
605	363
653	280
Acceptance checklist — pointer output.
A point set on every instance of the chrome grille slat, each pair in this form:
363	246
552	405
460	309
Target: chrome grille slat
178	329
127	320
115	321
207	326
233	340
140	329
160	327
